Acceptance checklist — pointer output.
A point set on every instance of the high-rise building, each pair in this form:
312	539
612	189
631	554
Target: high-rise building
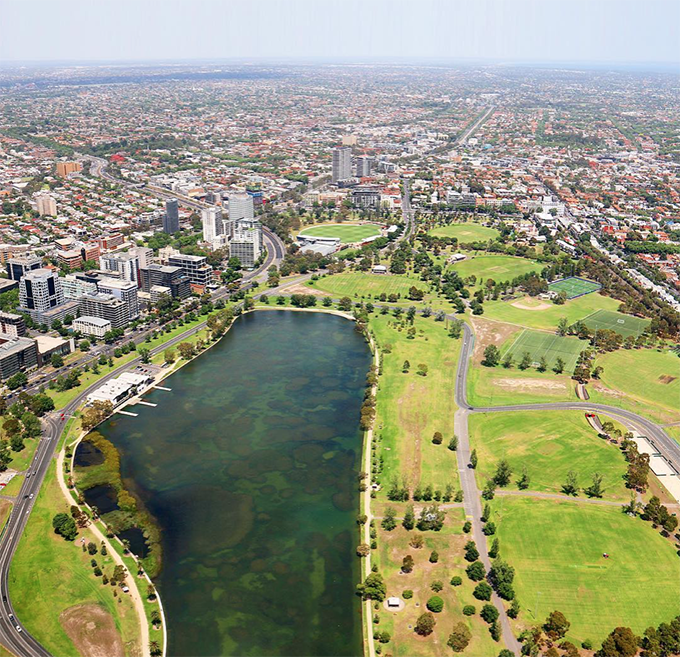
211	219
39	293
194	267
74	288
65	168
19	266
342	163
105	306
171	217
124	290
126	264
168	277
12	325
46	205
241	206
246	245
364	166
17	354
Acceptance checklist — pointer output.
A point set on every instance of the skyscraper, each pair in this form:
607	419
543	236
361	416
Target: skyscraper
171	217
46	205
364	166
212	223
241	207
342	163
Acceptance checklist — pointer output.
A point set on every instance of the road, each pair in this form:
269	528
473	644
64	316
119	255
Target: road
407	212
462	139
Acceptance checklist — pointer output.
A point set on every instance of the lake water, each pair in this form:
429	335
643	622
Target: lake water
249	465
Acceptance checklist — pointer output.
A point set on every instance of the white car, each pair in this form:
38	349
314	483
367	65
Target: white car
18	628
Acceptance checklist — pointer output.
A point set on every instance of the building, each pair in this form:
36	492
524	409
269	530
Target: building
49	345
123	387
40	291
72	258
126	291
241	206
74	287
110	242
18	267
90	251
16	355
126	264
342	163
364	166
171	216
211	218
196	268
144	255
166	276
349	140
95	326
366	197
65	168
246	245
46	205
12	325
105	306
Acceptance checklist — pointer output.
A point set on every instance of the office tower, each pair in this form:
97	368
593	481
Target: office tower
107	307
124	290
41	297
195	268
241	206
342	163
46	205
18	267
17	354
126	264
211	219
12	325
74	288
246	245
144	255
171	278
171	217
364	166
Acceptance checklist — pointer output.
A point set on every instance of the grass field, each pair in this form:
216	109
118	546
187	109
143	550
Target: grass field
547	315
361	284
556	549
49	575
548	444
498	267
466	232
624	325
347	233
574	286
410	407
646	376
539	344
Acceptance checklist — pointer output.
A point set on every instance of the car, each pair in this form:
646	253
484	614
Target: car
30	497
18	628
28	474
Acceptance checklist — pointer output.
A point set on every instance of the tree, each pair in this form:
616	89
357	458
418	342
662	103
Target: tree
523	481
453	443
494	549
95	413
501	577
542	364
407	564
595	489
473	459
475	571
57	360
422	369
345	304
558	368
525	363
459	638
17	380
388	522
503	473
406	367
425	624
482	591
437	438
492	356
169	356
570	487
435	604
556	625
434	556
409	521
471	551
155	649
64	525
373	588
489	613
621	642
145	354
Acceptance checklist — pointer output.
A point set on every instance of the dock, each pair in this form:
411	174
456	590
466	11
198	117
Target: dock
146	403
163	388
127	413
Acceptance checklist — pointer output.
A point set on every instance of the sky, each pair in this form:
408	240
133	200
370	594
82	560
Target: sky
574	31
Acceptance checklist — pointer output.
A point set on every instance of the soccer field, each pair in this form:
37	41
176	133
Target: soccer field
360	284
624	325
466	232
545	344
574	286
347	233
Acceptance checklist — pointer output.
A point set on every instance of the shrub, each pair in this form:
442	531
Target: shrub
437	585
482	591
469	610
456	581
434	556
489	613
435	604
437	438
407	594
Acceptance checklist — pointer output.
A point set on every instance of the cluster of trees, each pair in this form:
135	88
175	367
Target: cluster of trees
659	516
95	413
601	339
368	405
303	300
638	465
21	421
65	526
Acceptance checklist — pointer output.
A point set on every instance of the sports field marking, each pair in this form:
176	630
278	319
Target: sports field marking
625	325
574	287
547	345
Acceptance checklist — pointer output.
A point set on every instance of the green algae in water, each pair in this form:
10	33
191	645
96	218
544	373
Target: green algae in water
249	465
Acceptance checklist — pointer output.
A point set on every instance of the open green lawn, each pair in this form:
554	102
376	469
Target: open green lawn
548	444
410	408
650	380
361	284
556	549
539	344
347	233
49	575
495	386
498	267
546	315
466	232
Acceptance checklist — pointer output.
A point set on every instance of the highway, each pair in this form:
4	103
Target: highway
407	212
462	139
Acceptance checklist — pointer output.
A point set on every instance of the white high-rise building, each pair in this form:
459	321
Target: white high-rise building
212	224
246	244
241	206
46	205
126	264
126	291
342	163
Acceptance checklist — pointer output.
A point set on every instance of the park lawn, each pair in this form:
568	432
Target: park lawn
466	232
347	233
449	543
5	508
539	344
14	486
49	575
674	433
21	460
364	285
496	386
410	407
556	549
648	377
548	444
547	315
498	267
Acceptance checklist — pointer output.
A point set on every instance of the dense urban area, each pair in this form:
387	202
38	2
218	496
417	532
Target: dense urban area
507	240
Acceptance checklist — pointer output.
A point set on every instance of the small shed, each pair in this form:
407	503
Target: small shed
379	269
393	602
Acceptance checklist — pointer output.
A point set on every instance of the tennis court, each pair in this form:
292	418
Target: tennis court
624	325
574	286
539	344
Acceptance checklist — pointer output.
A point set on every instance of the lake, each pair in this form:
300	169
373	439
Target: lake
250	467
